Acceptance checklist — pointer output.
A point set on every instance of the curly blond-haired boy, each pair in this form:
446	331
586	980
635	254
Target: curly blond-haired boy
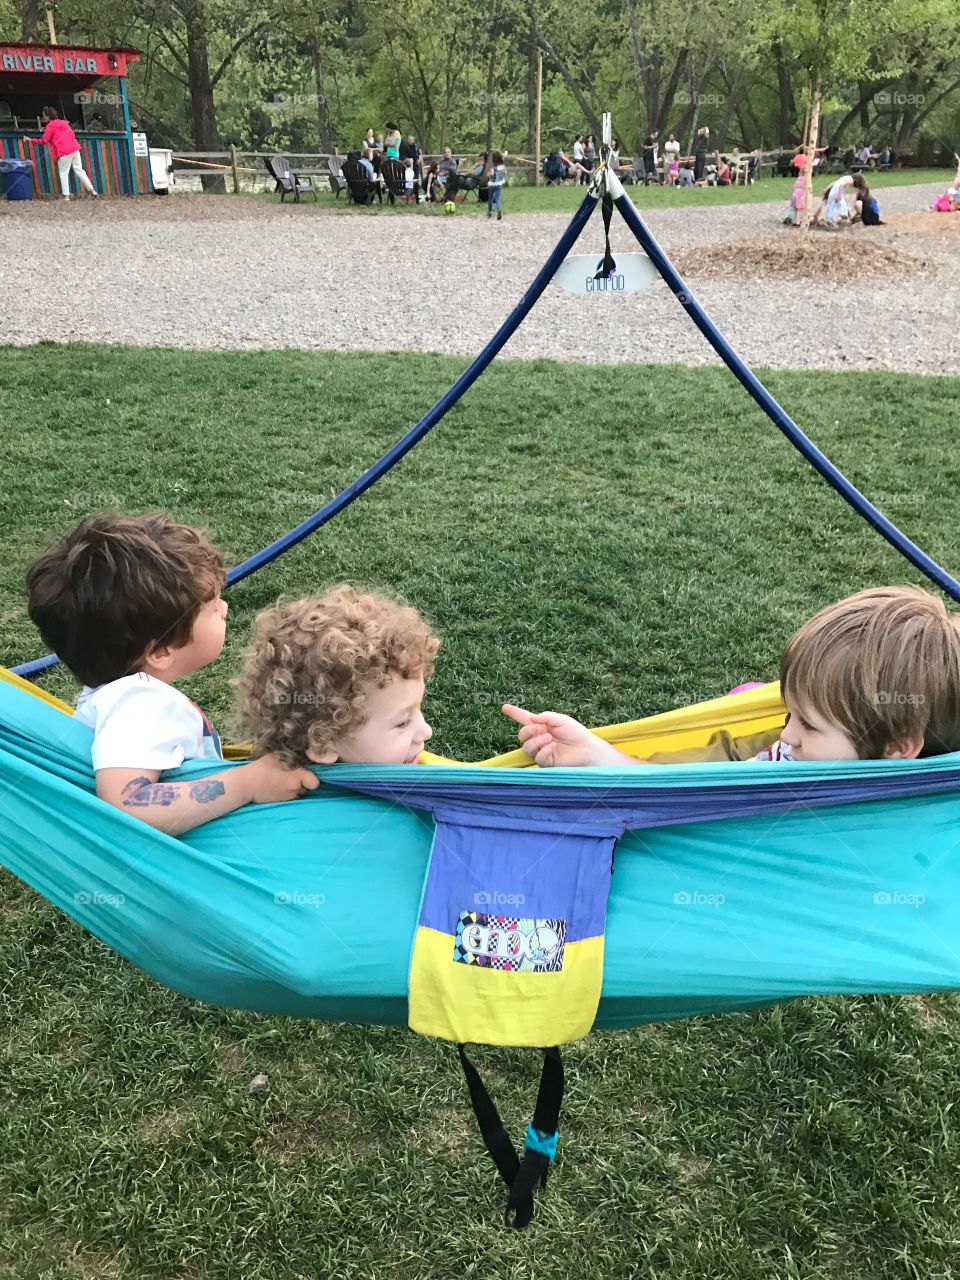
338	677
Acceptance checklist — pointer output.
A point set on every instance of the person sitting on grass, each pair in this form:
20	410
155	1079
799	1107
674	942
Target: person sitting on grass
337	677
433	186
448	164
131	605
475	179
874	677
573	168
366	160
833	203
866	208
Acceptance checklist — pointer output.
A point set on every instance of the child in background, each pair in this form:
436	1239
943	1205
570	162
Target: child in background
338	677
433	187
131	605
798	197
874	677
496	177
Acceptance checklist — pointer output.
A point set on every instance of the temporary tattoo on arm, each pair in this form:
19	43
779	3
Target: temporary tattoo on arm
207	790
141	792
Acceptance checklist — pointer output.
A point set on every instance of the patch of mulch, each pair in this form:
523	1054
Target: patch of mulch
926	223
819	257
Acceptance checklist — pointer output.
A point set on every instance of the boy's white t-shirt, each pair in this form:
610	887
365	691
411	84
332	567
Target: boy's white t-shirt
139	722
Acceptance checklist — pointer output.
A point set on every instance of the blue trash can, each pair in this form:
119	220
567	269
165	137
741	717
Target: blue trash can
17	179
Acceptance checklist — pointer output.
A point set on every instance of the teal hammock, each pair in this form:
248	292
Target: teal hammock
733	884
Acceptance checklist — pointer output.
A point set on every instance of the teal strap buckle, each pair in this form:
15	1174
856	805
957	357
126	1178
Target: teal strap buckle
545	1144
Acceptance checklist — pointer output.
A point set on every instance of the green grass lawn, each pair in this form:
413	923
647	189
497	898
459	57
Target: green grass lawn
610	563
526	199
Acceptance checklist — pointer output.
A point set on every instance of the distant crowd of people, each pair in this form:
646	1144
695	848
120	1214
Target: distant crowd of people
666	167
443	180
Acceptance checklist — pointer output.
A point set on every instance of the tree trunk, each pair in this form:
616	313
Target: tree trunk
867	96
864	108
697	85
532	50
32	19
206	135
695	99
637	57
809	150
491	83
905	133
733	96
323	107
670	92
589	114
787	105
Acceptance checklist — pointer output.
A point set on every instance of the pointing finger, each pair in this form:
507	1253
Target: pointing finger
517	713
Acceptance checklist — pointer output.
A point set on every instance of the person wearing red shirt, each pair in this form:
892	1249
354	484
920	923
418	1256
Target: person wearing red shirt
62	141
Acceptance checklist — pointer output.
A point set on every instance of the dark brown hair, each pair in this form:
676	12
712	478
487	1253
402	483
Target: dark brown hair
116	587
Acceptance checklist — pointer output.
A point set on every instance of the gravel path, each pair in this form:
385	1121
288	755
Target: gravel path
217	272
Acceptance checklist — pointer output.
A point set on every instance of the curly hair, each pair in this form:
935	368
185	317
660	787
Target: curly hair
304	678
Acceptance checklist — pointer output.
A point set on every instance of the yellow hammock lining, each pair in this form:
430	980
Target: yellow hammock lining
731	727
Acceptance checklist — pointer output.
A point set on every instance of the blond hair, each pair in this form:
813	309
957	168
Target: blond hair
305	677
884	666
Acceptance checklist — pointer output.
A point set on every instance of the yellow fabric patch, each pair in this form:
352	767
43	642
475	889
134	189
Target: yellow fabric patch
466	1003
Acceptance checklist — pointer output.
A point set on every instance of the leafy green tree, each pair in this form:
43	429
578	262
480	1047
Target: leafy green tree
835	43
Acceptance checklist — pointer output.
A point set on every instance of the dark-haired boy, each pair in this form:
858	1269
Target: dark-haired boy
132	604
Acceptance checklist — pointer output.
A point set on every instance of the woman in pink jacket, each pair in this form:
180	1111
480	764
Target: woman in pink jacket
62	142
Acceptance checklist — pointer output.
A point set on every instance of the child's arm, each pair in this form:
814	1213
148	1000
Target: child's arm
177	807
552	740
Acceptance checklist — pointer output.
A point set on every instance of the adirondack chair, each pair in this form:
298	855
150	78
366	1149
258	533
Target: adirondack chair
289	182
394	178
337	181
360	189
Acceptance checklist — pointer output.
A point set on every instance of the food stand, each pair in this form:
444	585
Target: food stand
88	87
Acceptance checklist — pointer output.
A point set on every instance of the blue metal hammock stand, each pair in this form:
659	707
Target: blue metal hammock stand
605	184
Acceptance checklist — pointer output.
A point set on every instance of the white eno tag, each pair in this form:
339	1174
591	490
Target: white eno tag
634	271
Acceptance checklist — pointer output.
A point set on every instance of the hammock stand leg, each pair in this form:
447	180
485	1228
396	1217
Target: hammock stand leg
774	411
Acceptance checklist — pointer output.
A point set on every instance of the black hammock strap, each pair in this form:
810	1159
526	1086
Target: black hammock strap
608	266
522	1177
